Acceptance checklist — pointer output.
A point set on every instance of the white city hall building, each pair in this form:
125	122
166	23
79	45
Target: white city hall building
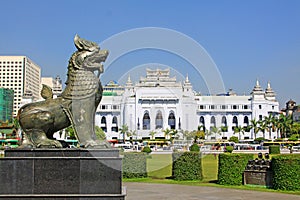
158	102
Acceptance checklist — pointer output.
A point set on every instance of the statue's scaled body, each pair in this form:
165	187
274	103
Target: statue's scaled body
76	106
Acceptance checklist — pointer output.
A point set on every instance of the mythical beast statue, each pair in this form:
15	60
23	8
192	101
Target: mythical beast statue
76	106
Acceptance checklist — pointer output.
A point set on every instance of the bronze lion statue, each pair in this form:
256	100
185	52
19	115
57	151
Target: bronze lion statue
76	106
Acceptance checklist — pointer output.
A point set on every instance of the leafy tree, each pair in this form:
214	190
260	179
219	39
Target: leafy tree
124	130
70	131
295	129
234	139
99	133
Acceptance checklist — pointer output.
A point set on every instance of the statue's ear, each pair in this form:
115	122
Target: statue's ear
46	92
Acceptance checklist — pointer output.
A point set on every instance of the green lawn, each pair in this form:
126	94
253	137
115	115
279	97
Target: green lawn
159	166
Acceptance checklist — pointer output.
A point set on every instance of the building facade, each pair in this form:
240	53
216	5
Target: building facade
22	75
6	104
159	102
54	83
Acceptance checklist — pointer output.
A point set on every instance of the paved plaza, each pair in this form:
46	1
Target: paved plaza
149	191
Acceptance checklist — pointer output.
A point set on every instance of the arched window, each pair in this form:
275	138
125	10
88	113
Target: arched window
246	121
224	121
201	120
146	121
114	126
103	124
246	127
234	122
213	121
172	120
224	127
202	123
158	120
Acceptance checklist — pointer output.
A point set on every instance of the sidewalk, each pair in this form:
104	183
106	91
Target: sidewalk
149	191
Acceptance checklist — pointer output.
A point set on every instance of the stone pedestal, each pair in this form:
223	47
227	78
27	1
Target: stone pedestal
59	174
258	178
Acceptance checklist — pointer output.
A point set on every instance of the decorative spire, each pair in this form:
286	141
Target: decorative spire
269	93
129	82
257	83
187	79
257	87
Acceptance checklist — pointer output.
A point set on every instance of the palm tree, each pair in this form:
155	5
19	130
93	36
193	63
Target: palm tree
255	126
239	129
263	127
268	123
275	126
285	123
124	130
215	130
100	135
167	132
152	133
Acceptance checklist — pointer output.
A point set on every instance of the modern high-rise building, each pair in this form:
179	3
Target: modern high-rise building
6	104
22	75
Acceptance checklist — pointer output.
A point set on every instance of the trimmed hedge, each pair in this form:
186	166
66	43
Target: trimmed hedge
286	172
194	147
274	149
231	168
187	166
134	165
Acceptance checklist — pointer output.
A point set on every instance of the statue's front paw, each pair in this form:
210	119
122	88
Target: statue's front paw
49	144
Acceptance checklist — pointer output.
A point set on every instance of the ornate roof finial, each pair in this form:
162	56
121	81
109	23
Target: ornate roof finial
257	82
187	78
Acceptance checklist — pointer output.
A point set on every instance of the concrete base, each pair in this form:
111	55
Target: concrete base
58	174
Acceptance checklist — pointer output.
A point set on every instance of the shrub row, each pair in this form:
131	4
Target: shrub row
286	172
187	166
231	168
274	149
134	165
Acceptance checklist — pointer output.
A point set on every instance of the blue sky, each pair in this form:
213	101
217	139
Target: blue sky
245	39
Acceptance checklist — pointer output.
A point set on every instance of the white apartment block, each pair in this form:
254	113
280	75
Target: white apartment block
158	102
54	83
22	75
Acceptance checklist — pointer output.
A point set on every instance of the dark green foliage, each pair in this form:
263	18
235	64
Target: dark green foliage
134	165
231	168
286	172
229	149
294	137
234	139
259	139
146	150
194	147
187	166
274	149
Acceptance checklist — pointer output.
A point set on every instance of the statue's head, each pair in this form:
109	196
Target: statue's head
89	54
